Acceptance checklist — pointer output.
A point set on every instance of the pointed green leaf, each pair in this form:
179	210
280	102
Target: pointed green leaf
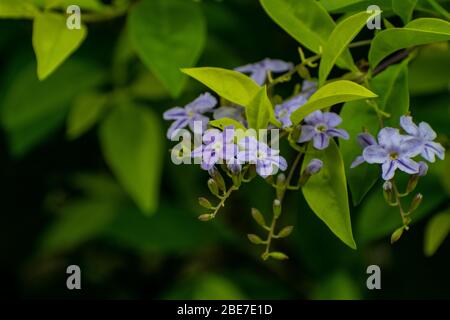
326	192
85	113
338	41
391	85
53	42
168	35
357	116
404	9
307	22
417	32
17	9
436	231
331	94
258	111
231	85
131	143
225	122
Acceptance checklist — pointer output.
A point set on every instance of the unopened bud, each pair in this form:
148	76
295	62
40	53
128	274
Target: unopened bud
212	185
314	166
204	203
276	208
396	235
388	191
415	203
278	256
423	169
255	239
285	232
215	174
259	218
281	179
206	217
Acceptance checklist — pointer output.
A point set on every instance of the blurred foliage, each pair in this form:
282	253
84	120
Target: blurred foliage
85	176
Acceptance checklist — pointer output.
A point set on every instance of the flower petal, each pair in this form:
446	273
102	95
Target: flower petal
276	65
321	141
366	139
175	126
340	133
314	118
204	102
308	133
389	138
411	147
359	160
388	169
407	165
175	114
431	149
375	154
409	126
332	119
259	76
426	132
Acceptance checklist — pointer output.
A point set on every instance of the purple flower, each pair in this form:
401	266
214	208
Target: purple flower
364	140
314	166
423	169
258	71
426	134
191	113
394	151
319	127
267	160
218	148
233	112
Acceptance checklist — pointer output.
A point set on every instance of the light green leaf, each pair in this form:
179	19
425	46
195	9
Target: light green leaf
225	122
78	223
338	41
351	6
307	22
131	143
358	116
17	9
338	286
404	9
84	113
258	111
417	32
168	35
326	192
29	118
436	231
92	5
331	94
53	42
391	85
231	85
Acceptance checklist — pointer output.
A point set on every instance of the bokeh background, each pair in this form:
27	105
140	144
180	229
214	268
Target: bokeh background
60	203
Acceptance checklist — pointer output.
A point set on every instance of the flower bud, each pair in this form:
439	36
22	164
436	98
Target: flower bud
415	203
215	174
423	169
276	208
259	218
414	179
281	179
314	166
388	191
255	239
235	168
212	185
278	256
206	217
285	232
204	203
396	235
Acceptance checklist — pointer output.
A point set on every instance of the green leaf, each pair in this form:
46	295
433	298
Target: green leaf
17	9
258	111
436	231
358	116
231	85
307	22
326	192
92	5
168	35
391	85
417	32
29	118
404	9
351	6
131	139
331	94
85	112
338	41
53	42
433	64
78	223
225	122
338	286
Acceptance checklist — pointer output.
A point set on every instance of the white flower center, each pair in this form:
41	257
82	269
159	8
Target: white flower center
321	127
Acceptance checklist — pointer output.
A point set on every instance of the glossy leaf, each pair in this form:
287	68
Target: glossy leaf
436	231
231	85
307	22
338	41
53	42
168	35
326	192
258	110
131	139
404	9
331	94
358	116
417	32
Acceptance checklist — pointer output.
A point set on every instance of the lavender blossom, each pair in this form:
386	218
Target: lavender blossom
258	71
423	169
233	112
314	166
394	151
320	127
267	160
191	113
364	140
426	134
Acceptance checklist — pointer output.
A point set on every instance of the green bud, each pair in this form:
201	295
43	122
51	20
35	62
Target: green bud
255	239
256	214
388	191
206	217
204	203
278	255
396	235
251	171
276	208
412	183
215	174
285	232
304	177
415	203
281	179
212	185
303	72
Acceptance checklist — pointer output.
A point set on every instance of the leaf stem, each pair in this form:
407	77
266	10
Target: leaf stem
223	199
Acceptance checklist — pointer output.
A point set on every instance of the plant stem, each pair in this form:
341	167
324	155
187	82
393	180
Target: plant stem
223	199
360	43
403	214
